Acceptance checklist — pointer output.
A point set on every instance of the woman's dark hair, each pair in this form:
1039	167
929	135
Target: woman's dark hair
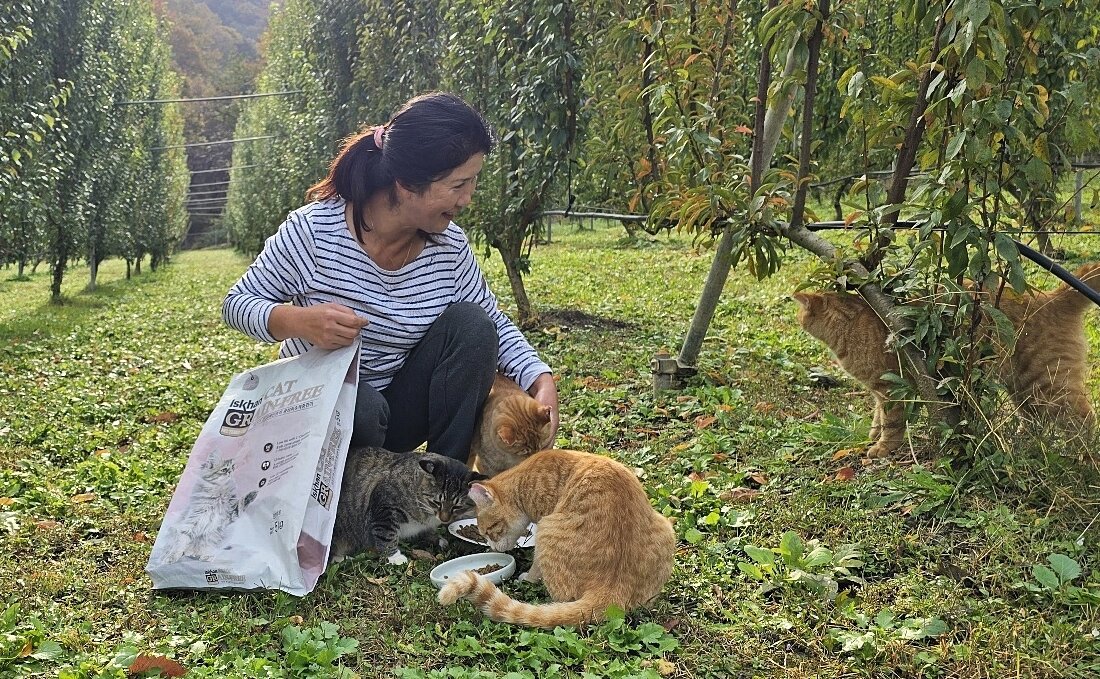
428	137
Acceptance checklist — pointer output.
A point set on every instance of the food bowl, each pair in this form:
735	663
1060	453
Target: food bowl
466	529
444	572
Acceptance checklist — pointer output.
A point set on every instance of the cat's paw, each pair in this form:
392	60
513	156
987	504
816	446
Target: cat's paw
397	559
526	576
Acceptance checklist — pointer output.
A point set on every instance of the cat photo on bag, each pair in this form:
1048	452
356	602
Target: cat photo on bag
214	506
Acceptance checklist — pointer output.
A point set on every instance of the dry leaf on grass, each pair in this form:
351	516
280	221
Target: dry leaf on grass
166	667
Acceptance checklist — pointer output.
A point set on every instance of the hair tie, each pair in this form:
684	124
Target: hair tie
378	131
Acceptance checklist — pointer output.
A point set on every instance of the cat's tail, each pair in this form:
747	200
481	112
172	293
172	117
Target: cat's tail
1072	301
503	608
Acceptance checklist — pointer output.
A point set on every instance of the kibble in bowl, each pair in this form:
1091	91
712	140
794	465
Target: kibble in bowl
493	565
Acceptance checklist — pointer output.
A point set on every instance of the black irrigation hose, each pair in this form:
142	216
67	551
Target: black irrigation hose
1059	271
1028	253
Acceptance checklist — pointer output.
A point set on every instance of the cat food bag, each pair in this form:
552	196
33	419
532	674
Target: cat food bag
257	501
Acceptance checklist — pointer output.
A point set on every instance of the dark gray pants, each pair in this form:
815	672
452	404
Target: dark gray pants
438	393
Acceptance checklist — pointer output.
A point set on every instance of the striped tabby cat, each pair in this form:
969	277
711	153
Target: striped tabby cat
387	496
599	542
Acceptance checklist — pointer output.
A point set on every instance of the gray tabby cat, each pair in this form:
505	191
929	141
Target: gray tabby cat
212	508
386	496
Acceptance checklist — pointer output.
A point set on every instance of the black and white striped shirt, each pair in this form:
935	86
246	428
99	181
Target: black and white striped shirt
313	258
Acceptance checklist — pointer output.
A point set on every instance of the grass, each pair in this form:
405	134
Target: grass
797	558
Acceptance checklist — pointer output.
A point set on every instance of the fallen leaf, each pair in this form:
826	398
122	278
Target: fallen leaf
46	524
26	650
702	422
140	536
740	495
83	497
102	453
166	417
680	446
844	452
671	624
127	581
296	619
763	407
845	474
743	129
758	478
696	476
6	501
156	663
381	582
665	668
422	554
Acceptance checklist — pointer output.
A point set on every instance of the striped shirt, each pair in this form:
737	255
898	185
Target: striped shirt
313	258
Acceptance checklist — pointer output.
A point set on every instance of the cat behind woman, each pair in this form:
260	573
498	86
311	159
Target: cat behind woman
599	542
388	496
512	426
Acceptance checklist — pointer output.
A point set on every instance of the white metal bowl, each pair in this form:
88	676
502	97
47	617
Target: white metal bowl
443	573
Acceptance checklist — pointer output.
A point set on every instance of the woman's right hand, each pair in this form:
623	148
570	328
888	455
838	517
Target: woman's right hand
328	326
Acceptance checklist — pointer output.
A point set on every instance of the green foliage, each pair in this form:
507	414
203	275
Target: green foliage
872	637
799	563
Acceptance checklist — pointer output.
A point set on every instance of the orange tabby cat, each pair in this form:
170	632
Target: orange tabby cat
512	426
599	542
1044	367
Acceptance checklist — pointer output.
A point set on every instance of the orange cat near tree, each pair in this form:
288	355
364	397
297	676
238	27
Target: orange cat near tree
512	426
1044	367
599	542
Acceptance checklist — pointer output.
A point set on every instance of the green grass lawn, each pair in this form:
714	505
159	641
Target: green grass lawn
796	559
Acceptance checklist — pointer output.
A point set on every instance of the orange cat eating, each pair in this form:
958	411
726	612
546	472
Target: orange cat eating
599	542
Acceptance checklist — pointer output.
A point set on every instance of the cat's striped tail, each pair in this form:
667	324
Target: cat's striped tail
503	608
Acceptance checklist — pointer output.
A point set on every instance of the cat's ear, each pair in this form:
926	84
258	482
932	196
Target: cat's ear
805	300
478	476
427	465
480	495
507	434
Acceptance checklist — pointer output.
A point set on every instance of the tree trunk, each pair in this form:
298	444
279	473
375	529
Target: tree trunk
525	316
771	123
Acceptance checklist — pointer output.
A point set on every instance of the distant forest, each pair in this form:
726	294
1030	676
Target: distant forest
216	48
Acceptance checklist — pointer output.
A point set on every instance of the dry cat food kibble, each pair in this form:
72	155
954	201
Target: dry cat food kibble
487	569
470	532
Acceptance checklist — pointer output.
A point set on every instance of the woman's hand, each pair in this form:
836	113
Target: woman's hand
328	326
545	391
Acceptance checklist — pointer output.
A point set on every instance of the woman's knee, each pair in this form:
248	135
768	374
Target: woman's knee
471	327
372	417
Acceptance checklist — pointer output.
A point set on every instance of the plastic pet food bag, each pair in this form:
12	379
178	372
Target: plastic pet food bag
256	503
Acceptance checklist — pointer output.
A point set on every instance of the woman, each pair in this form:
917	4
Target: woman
377	257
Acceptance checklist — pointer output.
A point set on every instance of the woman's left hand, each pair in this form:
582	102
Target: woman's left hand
545	391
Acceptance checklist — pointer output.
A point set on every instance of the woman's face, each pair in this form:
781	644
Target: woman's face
435	208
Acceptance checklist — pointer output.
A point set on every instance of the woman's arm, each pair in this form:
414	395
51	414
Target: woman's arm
545	391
